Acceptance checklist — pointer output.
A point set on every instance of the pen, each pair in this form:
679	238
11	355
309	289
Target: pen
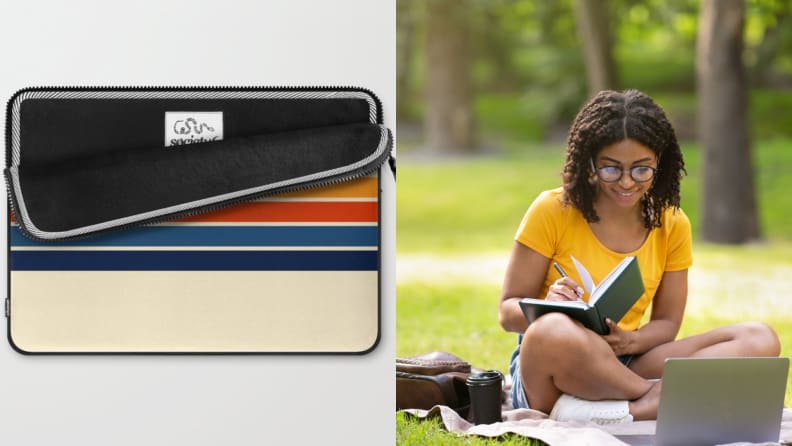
563	274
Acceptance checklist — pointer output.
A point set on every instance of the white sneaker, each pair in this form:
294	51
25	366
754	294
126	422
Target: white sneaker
570	408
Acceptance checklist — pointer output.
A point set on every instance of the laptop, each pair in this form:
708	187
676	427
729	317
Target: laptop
708	401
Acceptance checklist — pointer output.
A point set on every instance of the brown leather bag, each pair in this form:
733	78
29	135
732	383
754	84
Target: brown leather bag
425	381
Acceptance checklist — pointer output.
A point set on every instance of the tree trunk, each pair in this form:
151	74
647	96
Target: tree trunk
405	30
593	25
449	111
728	198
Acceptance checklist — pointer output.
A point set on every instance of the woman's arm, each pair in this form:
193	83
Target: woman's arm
668	308
524	278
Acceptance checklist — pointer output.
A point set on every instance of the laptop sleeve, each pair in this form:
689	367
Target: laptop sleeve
194	220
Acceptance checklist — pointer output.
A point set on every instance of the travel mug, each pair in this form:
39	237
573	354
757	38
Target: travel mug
485	396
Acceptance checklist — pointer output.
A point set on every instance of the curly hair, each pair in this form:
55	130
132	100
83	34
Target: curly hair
611	117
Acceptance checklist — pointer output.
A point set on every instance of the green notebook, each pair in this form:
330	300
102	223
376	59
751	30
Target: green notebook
612	298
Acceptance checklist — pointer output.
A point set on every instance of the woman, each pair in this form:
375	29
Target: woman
620	197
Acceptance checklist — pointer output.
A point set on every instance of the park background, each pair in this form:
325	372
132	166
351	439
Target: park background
486	93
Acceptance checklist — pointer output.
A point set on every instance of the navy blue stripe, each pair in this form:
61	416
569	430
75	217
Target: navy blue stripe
222	236
194	260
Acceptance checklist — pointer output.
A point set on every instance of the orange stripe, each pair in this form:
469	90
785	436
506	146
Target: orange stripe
292	212
361	188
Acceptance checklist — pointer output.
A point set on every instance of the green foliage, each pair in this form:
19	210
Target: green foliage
531	50
655	22
658	71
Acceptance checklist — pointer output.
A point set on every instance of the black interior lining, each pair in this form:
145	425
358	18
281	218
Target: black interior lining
63	195
61	129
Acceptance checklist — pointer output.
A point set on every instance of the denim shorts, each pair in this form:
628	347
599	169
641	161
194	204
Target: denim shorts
519	400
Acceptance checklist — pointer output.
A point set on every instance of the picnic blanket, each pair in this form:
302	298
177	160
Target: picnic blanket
536	424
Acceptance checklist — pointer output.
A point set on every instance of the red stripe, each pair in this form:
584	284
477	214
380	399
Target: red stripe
292	212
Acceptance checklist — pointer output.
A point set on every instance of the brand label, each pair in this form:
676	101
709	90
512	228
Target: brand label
192	127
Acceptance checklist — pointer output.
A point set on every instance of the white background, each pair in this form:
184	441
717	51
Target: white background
203	400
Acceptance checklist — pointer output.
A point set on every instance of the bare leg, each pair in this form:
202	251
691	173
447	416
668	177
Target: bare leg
746	339
645	407
558	356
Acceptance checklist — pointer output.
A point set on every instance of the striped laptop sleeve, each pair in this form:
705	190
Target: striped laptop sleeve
201	247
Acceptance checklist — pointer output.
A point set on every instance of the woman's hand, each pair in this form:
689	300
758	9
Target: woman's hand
621	342
564	289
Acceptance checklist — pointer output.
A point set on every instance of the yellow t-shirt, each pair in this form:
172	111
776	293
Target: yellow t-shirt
557	232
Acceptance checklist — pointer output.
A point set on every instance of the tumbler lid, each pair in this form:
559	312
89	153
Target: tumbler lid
486	378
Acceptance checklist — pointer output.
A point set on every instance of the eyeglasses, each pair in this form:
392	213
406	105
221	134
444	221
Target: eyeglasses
612	174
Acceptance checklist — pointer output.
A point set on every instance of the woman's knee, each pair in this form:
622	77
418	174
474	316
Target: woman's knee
555	331
760	338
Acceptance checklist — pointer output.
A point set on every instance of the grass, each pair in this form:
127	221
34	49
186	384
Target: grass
456	222
451	309
410	431
454	308
460	318
436	203
483	199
